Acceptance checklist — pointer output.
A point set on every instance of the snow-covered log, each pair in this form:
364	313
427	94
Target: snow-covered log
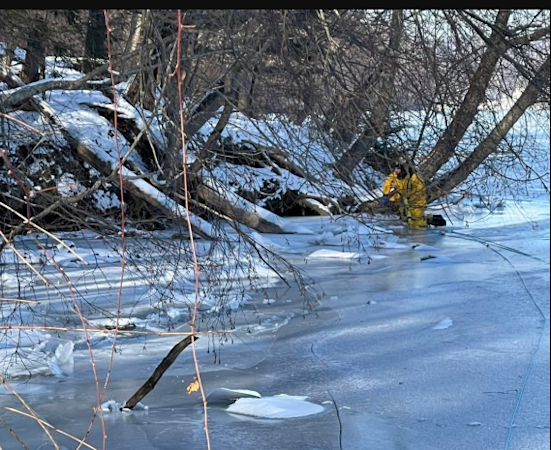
232	205
100	160
92	136
245	212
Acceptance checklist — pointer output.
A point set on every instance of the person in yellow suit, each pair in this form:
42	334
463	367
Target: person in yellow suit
392	187
405	191
414	200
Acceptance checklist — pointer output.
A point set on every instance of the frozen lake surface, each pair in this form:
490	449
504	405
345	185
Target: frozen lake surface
424	340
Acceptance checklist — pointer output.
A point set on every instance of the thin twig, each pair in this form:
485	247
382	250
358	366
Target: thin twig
39	228
23	124
32	413
48	425
19	300
14	434
190	228
123	217
107	331
22	258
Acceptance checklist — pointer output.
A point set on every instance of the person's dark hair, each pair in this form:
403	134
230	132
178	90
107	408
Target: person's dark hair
403	171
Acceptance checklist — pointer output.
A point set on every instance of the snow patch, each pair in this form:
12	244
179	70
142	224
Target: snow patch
113	406
437	259
224	396
278	407
321	254
444	324
423	248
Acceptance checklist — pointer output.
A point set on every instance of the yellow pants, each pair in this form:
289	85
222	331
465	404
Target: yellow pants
413	215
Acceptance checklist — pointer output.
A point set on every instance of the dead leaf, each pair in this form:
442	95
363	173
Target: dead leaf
193	387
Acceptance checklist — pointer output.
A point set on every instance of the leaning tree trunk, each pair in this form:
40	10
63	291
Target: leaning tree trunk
379	115
135	33
95	48
489	145
226	92
134	39
172	161
165	364
203	156
35	59
446	145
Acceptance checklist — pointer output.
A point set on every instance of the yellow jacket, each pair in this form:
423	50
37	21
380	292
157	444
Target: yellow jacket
413	189
393	184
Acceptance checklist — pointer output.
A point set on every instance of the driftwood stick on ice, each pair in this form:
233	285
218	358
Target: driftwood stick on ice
150	384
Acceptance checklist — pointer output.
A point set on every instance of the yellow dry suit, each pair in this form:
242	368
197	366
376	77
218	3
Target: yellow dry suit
414	201
393	184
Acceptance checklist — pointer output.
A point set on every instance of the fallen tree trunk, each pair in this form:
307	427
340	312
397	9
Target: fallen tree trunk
220	197
245	212
153	196
239	209
315	206
320	204
241	215
142	189
108	165
281	160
